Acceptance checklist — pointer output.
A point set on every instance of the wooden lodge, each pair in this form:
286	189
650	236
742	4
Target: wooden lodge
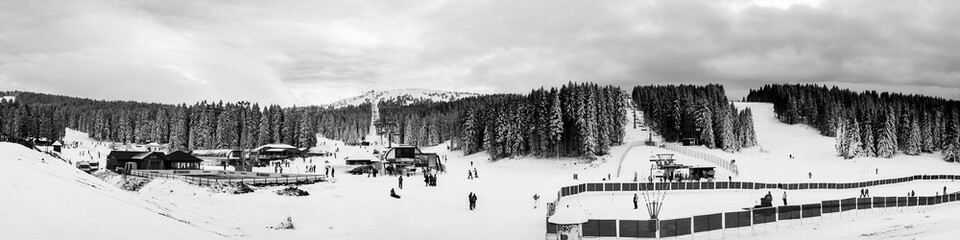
130	160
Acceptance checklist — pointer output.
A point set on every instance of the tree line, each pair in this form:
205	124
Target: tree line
575	120
700	113
868	123
185	127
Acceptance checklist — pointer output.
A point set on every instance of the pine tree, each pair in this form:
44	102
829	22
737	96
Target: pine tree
913	141
842	141
750	136
869	143
705	125
951	149
264	136
555	124
926	133
855	145
728	139
886	138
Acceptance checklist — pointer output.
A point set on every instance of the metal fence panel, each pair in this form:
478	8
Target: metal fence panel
764	215
709	222
608	228
810	210
831	206
848	204
864	203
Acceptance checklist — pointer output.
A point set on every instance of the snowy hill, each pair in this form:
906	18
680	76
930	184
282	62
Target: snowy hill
405	95
41	194
814	153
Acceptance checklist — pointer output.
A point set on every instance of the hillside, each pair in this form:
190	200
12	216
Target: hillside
814	153
404	95
41	193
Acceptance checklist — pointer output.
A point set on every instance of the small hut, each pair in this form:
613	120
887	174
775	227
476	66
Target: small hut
569	222
57	146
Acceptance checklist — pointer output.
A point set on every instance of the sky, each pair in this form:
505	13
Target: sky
296	52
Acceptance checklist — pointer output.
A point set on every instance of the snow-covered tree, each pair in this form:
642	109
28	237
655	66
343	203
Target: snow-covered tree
886	138
913	140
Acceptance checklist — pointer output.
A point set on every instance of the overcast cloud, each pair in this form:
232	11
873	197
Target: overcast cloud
315	52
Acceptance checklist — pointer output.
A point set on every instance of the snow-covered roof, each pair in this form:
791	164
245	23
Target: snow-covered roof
275	145
569	215
57	143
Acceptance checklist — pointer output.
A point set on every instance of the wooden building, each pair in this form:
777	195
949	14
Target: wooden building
130	160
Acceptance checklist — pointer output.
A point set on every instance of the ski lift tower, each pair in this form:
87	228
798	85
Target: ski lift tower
653	199
388	127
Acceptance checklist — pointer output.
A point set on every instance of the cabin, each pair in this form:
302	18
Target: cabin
130	160
57	146
406	157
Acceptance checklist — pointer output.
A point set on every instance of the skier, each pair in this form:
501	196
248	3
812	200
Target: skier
469	174
394	194
333	172
400	181
729	178
536	200
635	201
944	190
471	163
810	175
867	192
784	198
861	193
475	173
876	171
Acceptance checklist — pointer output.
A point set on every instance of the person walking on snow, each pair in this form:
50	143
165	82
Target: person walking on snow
536	200
784	198
810	175
469	174
400	181
861	193
635	201
866	192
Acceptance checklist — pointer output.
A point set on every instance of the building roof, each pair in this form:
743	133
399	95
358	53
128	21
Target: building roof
181	156
276	146
123	154
569	215
57	143
143	155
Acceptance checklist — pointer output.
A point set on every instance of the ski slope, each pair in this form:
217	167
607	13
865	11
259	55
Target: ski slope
815	154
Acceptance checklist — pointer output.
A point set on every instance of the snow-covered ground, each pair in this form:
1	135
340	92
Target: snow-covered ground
358	207
46	198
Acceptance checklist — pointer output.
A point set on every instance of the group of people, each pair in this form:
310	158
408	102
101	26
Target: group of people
473	200
311	168
864	192
430	179
472	174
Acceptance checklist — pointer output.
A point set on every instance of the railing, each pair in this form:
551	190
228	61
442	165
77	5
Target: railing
719	161
203	181
728	220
